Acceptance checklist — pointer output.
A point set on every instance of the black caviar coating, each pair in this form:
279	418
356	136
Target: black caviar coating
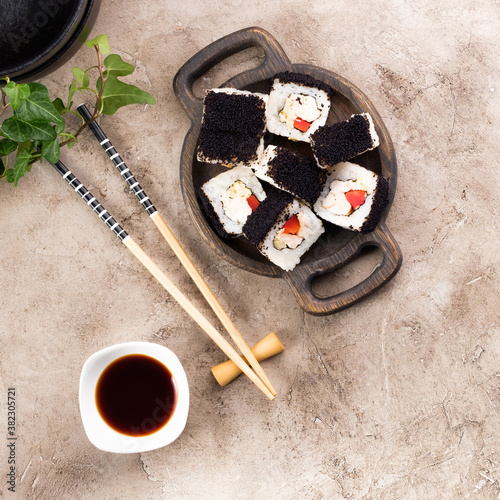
213	216
227	147
379	204
305	80
296	174
341	141
260	222
245	114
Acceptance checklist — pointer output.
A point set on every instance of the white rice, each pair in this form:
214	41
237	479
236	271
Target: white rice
373	133
233	163
288	258
261	167
215	187
231	90
345	172
277	97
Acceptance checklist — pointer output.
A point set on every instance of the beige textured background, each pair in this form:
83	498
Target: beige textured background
395	398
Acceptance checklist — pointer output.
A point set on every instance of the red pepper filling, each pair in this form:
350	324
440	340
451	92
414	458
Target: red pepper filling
292	225
356	198
253	202
301	124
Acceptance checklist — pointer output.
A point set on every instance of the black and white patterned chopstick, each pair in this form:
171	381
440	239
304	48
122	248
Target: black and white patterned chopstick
157	273
178	250
117	160
90	200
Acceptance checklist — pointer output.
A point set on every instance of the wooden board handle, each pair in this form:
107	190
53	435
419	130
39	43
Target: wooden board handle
302	277
275	61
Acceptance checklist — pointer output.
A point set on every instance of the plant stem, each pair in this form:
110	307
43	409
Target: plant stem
4	101
77	114
97	110
103	81
34	159
86	88
79	131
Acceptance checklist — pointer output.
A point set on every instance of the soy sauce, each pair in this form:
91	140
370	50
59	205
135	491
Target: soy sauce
136	395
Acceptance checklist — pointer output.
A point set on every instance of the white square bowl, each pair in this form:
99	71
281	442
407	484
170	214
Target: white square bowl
99	432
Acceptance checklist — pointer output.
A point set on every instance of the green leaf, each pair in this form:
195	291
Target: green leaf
38	87
26	145
17	93
38	106
60	128
117	94
2	168
59	105
20	130
16	130
7	146
82	77
100	41
115	65
42	131
20	167
71	93
50	150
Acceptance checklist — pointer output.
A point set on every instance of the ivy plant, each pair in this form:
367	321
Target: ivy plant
36	128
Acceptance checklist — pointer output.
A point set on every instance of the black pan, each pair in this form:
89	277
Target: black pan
37	36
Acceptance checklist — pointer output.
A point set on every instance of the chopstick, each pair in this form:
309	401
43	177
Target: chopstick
174	245
157	273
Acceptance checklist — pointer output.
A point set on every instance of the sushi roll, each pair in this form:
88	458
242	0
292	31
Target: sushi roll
353	198
233	127
283	229
298	105
292	173
342	141
229	198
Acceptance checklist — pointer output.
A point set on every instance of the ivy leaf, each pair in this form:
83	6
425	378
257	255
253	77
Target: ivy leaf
38	106
2	168
19	130
16	130
71	93
82	78
50	151
20	167
38	87
25	145
100	41
17	93
42	131
60	128
61	109
117	94
7	146
115	65
59	105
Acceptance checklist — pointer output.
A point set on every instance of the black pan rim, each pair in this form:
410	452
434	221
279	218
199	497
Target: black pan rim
79	24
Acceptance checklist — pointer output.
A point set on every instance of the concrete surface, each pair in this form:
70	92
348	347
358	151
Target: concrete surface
395	398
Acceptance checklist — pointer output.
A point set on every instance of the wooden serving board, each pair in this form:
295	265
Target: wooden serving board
336	247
